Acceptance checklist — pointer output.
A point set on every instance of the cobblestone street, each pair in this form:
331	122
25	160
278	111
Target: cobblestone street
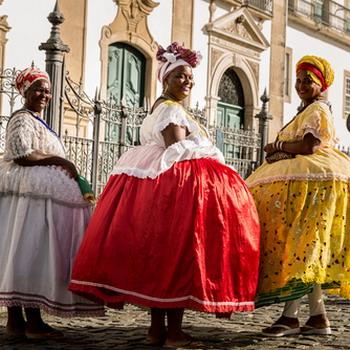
126	330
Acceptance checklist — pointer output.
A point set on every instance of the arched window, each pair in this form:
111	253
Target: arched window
230	108
126	75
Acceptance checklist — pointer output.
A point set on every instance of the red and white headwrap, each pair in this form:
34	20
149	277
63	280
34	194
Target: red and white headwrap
174	56
28	77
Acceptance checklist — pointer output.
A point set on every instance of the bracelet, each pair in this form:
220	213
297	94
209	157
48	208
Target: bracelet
278	145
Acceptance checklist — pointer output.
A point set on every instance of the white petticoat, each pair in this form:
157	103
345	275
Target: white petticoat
40	182
151	160
38	242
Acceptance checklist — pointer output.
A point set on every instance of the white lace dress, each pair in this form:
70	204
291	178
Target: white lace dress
43	217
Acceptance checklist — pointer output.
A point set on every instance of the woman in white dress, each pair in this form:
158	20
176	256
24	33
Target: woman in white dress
43	216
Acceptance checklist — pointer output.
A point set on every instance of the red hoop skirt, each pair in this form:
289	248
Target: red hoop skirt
187	239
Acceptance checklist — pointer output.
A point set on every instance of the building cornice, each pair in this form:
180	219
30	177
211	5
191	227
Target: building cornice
319	31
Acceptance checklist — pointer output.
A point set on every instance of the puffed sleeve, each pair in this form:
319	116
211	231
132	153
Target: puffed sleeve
171	113
20	136
319	122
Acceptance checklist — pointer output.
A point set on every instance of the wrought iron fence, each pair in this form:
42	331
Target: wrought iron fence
329	13
10	100
96	132
116	128
241	148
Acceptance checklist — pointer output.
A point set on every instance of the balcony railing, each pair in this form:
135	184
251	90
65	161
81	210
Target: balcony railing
261	5
328	13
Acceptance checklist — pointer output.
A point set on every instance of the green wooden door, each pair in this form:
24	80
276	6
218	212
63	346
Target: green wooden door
126	75
125	83
229	116
230	113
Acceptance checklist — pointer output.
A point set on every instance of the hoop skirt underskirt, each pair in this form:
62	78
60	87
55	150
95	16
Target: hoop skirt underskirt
188	238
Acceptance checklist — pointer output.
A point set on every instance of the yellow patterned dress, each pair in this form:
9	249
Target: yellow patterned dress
304	211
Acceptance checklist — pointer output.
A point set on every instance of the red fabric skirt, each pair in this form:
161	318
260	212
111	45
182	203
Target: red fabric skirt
187	239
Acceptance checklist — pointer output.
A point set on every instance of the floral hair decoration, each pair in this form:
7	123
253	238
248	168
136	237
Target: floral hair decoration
174	56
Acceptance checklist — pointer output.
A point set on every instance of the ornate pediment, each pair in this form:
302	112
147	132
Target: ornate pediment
132	15
238	26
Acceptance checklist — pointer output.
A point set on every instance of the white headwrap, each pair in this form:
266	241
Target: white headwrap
164	68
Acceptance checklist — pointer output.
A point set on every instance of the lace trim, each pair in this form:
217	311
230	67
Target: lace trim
313	127
300	133
162	300
94	311
173	119
299	177
137	172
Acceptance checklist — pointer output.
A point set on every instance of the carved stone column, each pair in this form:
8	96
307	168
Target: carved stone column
55	50
277	66
4	28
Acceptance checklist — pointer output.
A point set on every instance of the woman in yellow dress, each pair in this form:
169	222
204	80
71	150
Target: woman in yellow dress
302	196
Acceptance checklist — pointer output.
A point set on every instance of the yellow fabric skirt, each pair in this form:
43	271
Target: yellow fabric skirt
305	232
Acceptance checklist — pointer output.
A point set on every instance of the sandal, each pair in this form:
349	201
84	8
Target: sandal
309	330
285	330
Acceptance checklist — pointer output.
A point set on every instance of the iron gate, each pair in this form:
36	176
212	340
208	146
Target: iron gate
96	132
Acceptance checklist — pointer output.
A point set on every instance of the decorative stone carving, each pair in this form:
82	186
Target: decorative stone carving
135	11
255	69
239	28
212	9
215	56
4	27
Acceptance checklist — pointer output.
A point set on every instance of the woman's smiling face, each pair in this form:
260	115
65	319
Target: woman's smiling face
306	88
38	96
179	82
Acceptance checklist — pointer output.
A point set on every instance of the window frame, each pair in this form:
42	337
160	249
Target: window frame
288	77
345	95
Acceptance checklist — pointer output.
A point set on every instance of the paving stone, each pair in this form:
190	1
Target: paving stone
126	330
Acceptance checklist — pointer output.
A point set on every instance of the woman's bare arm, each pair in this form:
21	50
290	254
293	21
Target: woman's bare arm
173	133
306	146
38	158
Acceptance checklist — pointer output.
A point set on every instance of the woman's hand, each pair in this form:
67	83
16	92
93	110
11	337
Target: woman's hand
270	148
70	168
308	145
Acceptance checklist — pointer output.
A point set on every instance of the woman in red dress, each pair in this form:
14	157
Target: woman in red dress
175	227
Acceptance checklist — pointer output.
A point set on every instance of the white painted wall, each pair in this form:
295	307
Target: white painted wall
159	24
264	74
340	61
200	43
29	28
97	17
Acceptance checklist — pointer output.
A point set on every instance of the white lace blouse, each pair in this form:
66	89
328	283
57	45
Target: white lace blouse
153	158
24	135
